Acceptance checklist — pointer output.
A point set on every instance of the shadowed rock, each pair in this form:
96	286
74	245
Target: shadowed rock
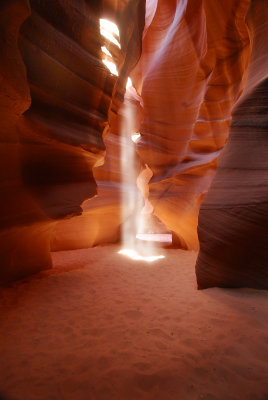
233	218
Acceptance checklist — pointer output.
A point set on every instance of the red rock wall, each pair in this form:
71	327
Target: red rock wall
15	203
54	106
101	219
233	219
192	70
55	97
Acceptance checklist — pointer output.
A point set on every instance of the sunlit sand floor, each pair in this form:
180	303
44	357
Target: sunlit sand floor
100	326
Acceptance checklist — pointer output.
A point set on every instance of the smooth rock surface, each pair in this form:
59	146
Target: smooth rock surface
62	115
233	219
55	97
192	70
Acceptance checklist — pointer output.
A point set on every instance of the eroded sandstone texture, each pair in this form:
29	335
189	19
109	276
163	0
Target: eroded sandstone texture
53	120
197	59
233	219
101	218
61	133
15	203
192	70
55	96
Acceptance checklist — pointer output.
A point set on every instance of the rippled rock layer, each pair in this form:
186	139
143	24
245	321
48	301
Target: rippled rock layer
62	112
233	219
191	73
55	97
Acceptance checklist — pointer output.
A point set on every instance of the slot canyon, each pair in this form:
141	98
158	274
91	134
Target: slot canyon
134	200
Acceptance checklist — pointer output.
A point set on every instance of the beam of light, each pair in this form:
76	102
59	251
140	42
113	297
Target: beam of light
135	137
134	255
111	66
130	196
134	196
106	51
129	83
108	29
109	26
133	200
155	237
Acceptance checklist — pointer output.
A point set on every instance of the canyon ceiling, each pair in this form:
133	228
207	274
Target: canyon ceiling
200	72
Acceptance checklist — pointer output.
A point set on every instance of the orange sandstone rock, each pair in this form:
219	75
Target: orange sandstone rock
233	218
192	70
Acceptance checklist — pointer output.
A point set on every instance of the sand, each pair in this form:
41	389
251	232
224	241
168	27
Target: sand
100	326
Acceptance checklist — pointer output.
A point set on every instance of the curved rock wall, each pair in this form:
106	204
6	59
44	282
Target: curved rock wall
15	204
192	70
101	219
48	151
56	100
233	219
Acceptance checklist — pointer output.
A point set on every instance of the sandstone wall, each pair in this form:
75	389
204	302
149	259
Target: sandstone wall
192	70
233	219
54	106
198	62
